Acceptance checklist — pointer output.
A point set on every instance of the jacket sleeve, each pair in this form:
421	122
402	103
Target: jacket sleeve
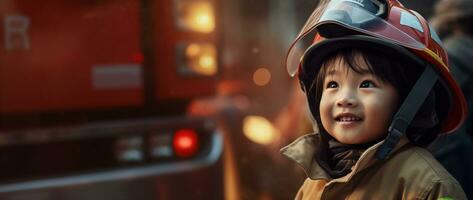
446	190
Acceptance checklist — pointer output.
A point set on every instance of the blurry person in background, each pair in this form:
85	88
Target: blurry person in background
453	20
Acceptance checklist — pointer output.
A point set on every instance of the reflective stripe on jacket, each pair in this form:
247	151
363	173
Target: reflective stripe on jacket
410	172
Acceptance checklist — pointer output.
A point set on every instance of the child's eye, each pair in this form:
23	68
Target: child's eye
332	84
367	84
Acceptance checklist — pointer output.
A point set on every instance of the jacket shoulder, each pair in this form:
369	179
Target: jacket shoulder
419	166
424	159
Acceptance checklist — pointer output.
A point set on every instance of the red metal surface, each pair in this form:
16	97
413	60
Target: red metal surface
168	36
67	39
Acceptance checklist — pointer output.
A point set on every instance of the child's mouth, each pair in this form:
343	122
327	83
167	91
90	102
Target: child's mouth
347	119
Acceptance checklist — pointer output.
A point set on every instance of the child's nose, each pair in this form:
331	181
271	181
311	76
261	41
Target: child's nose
347	101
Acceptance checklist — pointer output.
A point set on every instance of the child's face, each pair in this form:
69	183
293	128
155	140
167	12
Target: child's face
356	108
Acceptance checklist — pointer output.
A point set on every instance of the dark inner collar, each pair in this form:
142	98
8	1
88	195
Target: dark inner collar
336	158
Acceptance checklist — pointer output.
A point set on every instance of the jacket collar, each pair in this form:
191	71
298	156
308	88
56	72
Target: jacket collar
303	151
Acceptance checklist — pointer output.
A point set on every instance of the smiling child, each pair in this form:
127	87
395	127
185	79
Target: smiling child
379	88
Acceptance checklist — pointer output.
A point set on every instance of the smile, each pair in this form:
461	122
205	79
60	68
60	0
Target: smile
347	118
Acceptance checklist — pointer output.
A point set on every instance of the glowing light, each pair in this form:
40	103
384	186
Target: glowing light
192	50
185	143
197	16
259	130
262	76
201	59
203	20
207	61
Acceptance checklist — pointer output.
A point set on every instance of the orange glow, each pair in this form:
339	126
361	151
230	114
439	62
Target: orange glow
262	76
259	130
201	59
197	16
207	62
193	50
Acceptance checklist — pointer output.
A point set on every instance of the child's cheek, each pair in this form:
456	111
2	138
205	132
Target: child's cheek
325	110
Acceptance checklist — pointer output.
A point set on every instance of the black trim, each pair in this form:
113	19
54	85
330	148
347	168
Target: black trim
401	120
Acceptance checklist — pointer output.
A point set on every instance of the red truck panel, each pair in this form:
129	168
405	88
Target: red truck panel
73	55
168	36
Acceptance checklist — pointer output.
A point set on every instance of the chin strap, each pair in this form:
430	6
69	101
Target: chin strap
407	111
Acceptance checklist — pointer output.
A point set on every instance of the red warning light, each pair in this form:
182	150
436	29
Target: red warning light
185	143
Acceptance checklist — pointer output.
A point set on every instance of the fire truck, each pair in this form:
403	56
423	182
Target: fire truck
93	98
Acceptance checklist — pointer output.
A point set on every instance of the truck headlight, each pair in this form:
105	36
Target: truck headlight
195	16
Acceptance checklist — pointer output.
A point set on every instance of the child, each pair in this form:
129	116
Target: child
378	87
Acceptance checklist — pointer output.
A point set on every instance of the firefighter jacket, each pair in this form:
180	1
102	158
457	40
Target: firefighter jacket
409	172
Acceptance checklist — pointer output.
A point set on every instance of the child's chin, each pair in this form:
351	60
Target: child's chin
349	139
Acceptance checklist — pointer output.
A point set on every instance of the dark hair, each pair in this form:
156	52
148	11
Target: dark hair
397	72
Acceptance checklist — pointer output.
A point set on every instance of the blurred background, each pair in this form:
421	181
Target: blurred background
150	99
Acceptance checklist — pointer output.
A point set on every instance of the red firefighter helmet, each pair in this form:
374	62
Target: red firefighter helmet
384	25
